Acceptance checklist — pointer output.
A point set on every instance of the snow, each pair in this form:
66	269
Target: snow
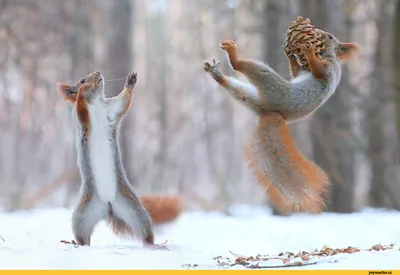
32	240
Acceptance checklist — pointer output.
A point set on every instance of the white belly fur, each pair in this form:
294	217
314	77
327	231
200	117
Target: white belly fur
101	154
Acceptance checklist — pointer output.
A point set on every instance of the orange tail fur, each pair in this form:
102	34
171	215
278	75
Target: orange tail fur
293	182
162	209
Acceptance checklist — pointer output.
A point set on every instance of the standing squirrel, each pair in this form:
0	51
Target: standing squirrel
105	191
293	182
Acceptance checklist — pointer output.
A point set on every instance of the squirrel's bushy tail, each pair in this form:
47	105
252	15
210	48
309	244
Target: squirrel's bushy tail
293	182
162	209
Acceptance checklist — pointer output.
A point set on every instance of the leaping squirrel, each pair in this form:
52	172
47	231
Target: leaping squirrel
293	182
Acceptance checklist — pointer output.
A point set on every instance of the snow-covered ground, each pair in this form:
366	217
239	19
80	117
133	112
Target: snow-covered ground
32	240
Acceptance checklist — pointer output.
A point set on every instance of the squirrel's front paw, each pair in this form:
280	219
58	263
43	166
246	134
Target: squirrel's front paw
289	54
131	80
307	48
230	47
214	67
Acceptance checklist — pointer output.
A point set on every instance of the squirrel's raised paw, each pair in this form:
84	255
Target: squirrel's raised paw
289	54
229	46
231	49
307	47
131	80
208	67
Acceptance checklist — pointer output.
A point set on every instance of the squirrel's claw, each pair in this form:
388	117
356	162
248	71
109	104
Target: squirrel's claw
131	79
208	67
307	47
228	46
289	54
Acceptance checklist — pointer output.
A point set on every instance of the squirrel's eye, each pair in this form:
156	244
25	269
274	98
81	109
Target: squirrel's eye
330	36
82	81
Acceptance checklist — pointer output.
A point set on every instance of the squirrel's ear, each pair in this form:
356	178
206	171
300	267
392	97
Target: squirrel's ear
67	92
347	51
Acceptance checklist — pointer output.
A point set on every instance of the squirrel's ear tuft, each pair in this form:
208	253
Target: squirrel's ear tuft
67	92
347	51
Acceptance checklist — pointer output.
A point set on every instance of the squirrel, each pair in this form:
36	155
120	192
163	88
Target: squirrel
106	192
293	183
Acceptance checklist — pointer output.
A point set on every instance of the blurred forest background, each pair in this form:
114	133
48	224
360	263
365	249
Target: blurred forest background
184	135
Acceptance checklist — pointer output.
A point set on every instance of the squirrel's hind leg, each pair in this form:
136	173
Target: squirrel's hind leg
130	216
89	211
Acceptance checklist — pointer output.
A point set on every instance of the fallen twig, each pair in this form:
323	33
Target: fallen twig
2	239
259	258
294	264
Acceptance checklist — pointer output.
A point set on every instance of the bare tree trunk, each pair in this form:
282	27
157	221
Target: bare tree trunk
221	145
119	59
275	24
162	49
396	49
383	144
